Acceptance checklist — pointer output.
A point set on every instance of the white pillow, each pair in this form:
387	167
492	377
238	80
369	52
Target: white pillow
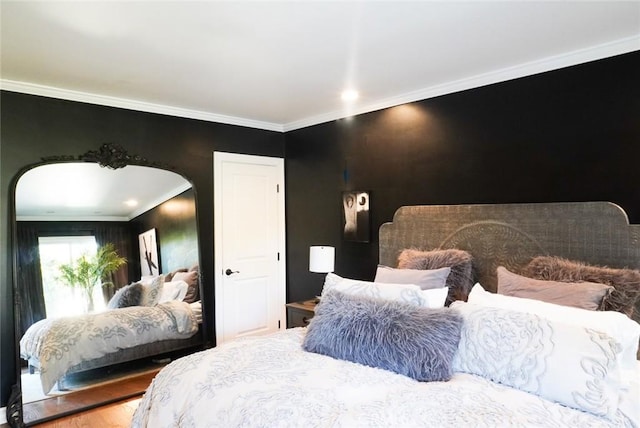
620	327
436	297
407	293
151	292
174	290
426	279
569	364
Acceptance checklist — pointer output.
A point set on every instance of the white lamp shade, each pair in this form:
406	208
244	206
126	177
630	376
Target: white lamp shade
321	259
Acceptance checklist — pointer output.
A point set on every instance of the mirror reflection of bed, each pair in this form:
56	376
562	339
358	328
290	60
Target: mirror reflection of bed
64	210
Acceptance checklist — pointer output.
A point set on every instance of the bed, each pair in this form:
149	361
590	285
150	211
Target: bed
391	354
144	319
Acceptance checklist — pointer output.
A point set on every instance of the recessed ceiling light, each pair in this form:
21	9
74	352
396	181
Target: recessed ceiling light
349	95
131	202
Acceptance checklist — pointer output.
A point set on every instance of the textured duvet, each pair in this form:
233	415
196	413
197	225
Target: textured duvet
271	382
55	345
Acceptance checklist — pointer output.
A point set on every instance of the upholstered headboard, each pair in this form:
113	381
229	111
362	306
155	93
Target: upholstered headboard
511	234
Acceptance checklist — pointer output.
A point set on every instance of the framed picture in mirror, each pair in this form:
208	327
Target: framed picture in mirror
149	264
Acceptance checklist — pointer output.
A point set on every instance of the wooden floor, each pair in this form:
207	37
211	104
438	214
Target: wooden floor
110	405
115	415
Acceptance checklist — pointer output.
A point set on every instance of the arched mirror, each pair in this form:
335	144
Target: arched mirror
107	284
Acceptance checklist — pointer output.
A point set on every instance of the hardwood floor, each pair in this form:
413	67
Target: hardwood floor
115	415
114	402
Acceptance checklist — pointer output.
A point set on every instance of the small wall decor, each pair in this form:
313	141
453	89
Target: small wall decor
356	216
148	253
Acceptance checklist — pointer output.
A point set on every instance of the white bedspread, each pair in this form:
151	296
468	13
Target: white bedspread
271	382
59	344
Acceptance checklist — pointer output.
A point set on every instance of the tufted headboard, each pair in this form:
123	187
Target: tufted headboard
511	234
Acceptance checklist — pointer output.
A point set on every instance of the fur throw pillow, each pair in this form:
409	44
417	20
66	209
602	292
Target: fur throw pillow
626	282
460	279
403	338
129	295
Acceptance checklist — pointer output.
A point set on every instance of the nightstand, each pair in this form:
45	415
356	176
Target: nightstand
300	313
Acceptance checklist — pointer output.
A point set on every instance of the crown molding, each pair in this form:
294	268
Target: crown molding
105	100
593	53
159	200
71	218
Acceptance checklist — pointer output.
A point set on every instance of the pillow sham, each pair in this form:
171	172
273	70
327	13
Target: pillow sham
407	293
129	295
585	295
403	338
624	298
191	278
460	279
623	330
151	292
173	290
426	279
568	364
169	277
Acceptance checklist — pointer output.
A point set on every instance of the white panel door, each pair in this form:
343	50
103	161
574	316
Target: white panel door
249	245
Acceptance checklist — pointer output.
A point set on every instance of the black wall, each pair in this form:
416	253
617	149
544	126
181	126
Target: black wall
566	135
176	233
34	127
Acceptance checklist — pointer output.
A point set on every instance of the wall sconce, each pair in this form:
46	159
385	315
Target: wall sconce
321	259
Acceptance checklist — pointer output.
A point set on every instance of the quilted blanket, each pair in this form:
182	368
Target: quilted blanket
270	381
56	345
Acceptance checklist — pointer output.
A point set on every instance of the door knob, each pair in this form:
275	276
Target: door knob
229	272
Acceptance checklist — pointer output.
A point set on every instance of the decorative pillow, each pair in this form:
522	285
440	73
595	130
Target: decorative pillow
426	279
459	281
173	290
585	295
407	293
129	295
406	339
626	296
169	277
571	365
151	292
191	278
616	325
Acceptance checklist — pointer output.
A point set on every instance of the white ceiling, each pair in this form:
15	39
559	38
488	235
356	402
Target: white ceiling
282	65
86	191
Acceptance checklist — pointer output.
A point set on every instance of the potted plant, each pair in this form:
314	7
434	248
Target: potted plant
87	271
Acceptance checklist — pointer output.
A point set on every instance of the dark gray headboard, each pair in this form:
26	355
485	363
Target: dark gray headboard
511	234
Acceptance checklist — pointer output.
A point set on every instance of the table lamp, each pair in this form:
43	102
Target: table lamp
321	258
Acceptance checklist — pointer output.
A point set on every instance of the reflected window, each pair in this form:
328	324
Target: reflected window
60	298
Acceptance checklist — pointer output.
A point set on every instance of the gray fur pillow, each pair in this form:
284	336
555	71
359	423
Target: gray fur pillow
129	295
460	280
406	339
624	298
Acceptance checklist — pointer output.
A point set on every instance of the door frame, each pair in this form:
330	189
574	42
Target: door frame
218	159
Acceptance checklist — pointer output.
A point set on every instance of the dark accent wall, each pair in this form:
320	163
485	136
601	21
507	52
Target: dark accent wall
566	135
176	233
34	127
